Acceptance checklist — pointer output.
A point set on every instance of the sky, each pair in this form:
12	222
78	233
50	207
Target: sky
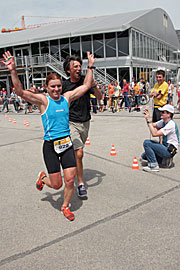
11	11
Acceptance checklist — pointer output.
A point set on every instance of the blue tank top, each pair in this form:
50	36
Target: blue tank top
56	119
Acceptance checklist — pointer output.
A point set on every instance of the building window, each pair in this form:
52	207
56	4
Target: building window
75	46
141	47
54	48
98	46
165	20
133	43
64	47
137	44
110	44
112	72
123	74
1	52
145	46
86	45
35	48
148	48
151	48
123	43
44	47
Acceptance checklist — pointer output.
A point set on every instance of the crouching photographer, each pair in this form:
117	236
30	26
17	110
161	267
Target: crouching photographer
161	153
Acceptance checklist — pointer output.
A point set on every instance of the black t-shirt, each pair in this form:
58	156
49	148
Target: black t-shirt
79	110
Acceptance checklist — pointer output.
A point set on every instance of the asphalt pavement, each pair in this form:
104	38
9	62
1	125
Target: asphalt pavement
129	221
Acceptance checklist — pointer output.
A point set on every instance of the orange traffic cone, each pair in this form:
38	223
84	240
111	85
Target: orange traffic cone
27	124
113	152
24	122
14	121
10	120
87	141
135	165
6	115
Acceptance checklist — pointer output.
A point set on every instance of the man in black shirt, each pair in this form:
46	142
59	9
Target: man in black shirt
79	114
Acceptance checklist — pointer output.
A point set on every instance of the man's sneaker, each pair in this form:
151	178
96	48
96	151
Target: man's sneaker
81	191
40	182
67	213
151	169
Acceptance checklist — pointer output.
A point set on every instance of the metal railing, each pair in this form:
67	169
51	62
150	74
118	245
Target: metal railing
52	62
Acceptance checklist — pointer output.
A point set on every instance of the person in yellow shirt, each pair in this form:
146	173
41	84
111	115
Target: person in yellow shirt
160	94
137	92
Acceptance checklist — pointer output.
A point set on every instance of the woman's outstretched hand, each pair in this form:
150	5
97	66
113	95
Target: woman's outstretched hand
9	61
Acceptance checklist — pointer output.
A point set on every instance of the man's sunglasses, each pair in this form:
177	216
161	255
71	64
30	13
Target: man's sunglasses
164	112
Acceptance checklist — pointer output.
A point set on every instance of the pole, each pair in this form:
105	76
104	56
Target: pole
27	72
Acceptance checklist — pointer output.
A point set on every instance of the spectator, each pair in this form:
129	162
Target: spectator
155	152
126	92
141	84
160	94
5	100
101	101
94	103
170	93
132	83
105	97
178	96
110	93
137	92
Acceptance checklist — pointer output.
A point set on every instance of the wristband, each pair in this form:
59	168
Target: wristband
91	67
149	121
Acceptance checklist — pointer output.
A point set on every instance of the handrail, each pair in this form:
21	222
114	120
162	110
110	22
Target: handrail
56	65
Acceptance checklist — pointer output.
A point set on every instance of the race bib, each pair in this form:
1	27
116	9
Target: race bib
62	145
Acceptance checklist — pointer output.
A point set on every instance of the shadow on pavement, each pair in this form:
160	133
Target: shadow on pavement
76	202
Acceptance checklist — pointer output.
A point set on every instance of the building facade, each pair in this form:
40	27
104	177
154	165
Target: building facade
126	45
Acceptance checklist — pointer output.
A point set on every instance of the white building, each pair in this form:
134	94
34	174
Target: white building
125	45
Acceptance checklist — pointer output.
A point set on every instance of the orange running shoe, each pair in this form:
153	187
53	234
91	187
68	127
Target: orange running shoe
67	213
40	182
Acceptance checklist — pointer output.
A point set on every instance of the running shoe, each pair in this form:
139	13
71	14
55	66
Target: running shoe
40	182
81	191
151	169
67	213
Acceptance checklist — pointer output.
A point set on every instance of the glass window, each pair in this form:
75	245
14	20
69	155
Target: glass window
123	43
168	54
64	46
133	43
110	44
10	49
112	72
137	44
98	46
1	52
123	74
145	46
155	50
44	47
151	48
75	46
148	48
86	45
135	73
54	48
35	48
141	48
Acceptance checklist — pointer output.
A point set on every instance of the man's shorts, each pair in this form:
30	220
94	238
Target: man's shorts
156	115
53	160
79	133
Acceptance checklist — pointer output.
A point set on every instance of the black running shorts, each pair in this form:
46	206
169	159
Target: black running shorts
53	160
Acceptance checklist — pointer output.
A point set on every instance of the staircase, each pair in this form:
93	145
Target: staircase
57	66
